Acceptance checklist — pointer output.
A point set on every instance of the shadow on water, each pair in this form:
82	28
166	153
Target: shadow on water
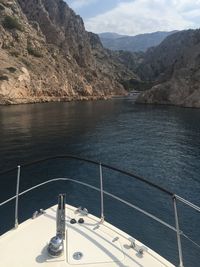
158	142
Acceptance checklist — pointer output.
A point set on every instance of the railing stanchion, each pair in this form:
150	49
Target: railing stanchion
17	196
102	196
178	234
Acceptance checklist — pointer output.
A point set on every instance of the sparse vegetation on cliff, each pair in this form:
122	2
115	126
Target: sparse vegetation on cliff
2	7
33	51
54	56
12	23
174	67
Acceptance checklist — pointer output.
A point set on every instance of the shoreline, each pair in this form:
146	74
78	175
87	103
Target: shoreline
49	99
53	99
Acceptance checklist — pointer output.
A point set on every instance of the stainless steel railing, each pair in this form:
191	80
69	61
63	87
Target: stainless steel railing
17	196
102	198
175	197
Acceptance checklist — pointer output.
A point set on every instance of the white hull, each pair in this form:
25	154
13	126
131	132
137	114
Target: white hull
102	245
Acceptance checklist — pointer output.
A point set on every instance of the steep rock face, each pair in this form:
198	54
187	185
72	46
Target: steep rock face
46	55
174	66
61	27
120	64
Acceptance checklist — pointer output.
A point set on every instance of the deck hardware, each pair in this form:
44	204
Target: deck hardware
77	255
35	214
38	213
42	211
60	219
115	239
73	221
141	251
55	247
96	227
81	221
82	211
132	245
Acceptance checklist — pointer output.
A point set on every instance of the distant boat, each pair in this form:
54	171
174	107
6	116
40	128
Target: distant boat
134	93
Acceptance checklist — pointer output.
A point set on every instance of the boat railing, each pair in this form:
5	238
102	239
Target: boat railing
174	197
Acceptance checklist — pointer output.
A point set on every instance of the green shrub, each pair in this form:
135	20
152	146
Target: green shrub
3	78
26	62
14	53
12	23
34	52
12	69
2	8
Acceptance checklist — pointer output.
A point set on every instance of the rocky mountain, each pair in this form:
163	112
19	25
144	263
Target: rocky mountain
46	55
110	35
174	66
136	43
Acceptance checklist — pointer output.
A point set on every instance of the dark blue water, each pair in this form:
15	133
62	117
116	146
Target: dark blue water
158	142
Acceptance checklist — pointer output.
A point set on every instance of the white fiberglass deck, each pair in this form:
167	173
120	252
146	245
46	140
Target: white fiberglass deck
102	245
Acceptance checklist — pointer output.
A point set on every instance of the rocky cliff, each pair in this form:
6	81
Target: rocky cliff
46	55
174	67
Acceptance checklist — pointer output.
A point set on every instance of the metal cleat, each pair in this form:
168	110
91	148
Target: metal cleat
82	211
115	239
132	245
38	213
35	214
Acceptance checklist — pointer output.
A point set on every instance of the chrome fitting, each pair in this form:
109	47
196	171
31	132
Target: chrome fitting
82	211
55	248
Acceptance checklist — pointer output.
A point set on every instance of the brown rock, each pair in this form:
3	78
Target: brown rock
174	66
54	57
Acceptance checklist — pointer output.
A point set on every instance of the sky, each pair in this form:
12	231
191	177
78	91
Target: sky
133	17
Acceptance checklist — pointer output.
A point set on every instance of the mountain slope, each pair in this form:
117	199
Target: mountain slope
110	35
46	55
136	43
175	66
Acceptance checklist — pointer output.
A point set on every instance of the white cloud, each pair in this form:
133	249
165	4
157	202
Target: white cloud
141	16
76	4
186	5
